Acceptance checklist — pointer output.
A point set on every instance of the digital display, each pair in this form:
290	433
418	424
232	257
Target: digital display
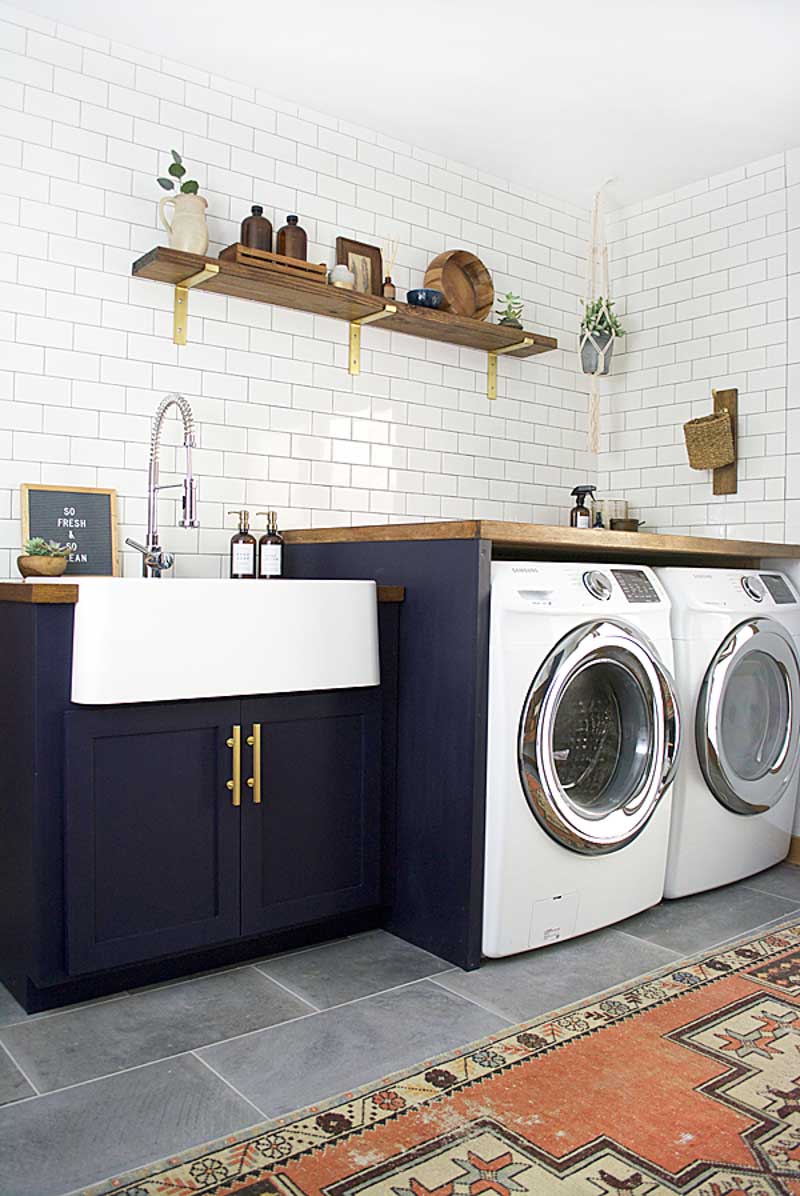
778	588
635	585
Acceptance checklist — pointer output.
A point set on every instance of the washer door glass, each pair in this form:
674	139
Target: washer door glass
747	733
598	738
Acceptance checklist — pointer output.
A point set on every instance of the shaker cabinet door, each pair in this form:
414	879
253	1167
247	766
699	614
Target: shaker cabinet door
310	847
152	834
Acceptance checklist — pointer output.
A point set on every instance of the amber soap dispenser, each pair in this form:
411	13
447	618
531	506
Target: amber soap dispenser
243	548
270	548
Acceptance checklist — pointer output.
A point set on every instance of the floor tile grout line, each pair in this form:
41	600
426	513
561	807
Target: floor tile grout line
473	1001
769	893
262	1115
260	969
22	1072
211	1045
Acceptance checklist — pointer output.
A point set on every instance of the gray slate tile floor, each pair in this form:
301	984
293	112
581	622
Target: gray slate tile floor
117	1083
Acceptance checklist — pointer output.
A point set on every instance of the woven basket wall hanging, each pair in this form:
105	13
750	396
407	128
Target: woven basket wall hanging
709	441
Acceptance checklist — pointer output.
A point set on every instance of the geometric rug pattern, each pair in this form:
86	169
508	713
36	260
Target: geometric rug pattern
687	1082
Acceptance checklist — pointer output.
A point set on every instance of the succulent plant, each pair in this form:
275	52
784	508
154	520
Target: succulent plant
599	316
512	310
177	170
36	546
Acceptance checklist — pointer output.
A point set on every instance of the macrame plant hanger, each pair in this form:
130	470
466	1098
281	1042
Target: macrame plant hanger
597	287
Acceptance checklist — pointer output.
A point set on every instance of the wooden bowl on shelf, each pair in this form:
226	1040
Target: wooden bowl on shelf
464	281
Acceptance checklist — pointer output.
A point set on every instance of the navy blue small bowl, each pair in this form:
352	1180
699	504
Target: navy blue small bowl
425	297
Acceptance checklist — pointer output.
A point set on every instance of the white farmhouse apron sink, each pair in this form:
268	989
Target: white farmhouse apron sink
140	640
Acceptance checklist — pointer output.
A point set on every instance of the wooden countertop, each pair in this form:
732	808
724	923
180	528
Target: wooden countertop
543	541
67	594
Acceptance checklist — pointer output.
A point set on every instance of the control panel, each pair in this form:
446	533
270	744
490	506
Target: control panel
635	585
597	584
778	588
753	586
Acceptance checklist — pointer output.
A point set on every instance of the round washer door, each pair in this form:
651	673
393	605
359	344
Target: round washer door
598	737
746	724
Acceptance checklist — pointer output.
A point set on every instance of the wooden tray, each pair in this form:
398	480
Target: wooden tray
243	255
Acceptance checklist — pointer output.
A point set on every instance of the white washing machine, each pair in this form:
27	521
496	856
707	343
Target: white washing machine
736	635
582	746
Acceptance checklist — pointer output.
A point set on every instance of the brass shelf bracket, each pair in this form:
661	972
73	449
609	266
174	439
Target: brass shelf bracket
180	311
491	374
354	359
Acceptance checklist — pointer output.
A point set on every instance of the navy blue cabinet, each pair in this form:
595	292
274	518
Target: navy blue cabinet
159	857
151	836
310	846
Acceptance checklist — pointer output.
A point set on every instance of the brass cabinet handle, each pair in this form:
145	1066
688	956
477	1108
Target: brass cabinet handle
254	782
235	785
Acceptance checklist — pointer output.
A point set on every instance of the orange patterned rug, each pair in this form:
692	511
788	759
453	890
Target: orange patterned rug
687	1081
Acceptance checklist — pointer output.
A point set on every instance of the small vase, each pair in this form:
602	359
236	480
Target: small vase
41	566
389	289
188	230
591	349
509	323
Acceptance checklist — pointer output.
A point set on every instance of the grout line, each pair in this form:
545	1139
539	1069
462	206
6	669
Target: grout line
676	955
22	1072
795	904
262	1115
261	971
31	1019
510	1020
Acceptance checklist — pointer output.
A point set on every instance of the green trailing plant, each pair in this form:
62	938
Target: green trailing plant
511	311
36	546
177	170
599	316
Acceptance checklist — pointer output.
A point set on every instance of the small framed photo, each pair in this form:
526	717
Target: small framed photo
364	261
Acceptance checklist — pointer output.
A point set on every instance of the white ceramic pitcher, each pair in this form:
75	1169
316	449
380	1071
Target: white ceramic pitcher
188	230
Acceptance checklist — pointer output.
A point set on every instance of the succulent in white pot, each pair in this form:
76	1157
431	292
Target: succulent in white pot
187	230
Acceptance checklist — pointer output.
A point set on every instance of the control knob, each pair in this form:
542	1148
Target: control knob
597	584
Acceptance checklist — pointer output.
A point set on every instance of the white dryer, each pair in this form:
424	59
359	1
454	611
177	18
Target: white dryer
582	746
736	667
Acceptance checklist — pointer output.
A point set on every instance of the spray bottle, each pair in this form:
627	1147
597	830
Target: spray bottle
580	516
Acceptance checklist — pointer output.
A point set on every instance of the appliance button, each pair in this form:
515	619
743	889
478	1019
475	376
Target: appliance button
598	585
754	588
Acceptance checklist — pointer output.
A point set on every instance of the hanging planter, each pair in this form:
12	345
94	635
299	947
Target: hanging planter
599	325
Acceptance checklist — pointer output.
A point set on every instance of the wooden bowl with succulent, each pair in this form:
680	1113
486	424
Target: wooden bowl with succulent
43	558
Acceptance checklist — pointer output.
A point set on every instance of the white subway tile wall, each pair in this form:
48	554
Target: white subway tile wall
87	351
702	277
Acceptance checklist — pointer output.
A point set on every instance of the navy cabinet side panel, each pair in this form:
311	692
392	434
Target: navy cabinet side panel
53	682
443	682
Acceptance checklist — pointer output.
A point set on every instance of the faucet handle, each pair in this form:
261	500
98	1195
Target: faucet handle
154	559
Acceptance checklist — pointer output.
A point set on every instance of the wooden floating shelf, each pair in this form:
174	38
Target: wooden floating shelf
187	271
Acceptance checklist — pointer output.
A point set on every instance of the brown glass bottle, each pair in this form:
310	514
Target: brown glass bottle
270	548
292	240
256	232
243	549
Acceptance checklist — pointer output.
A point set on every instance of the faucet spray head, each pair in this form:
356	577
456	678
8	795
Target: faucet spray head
189	516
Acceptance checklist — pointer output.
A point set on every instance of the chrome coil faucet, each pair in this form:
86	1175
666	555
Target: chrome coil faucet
154	558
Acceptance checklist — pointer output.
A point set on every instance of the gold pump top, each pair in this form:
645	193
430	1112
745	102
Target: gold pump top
244	519
272	519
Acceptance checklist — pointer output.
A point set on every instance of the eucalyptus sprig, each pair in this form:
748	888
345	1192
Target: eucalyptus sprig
36	546
177	170
599	316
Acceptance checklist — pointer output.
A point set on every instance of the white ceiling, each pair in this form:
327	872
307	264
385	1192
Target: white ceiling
558	95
